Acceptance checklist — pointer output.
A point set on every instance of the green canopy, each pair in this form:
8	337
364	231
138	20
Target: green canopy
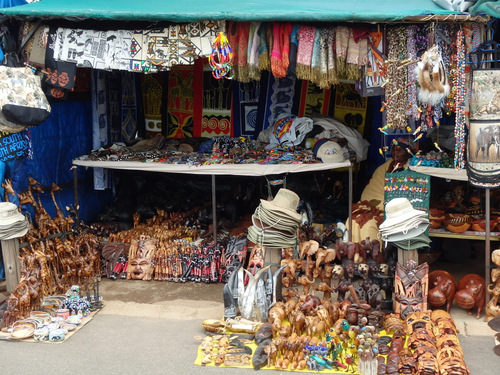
238	10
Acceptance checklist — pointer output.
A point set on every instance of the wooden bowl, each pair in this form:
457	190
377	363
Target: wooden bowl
480	225
457	223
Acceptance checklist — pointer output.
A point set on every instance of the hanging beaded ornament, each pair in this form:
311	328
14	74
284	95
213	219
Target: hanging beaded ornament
460	102
221	58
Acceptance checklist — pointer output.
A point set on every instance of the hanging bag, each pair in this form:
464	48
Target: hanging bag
22	100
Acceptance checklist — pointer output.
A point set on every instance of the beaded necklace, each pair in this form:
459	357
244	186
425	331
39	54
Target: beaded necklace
460	102
397	77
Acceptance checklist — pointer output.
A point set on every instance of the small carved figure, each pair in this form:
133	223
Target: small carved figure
443	289
471	293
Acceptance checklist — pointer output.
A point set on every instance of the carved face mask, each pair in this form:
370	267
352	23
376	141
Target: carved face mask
140	258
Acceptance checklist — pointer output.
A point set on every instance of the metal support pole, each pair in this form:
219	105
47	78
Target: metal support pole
350	203
75	195
487	249
214	209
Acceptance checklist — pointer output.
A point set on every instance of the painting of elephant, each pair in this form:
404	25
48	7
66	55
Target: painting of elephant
486	137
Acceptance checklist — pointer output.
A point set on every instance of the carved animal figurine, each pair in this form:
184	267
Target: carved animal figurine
443	289
493	308
306	283
311	302
342	289
326	289
348	266
471	293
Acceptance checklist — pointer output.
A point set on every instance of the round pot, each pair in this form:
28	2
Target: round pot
57	335
41	334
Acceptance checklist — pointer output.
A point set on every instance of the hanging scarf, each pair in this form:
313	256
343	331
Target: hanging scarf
294	44
316	58
332	58
281	49
341	45
238	39
266	40
357	54
253	51
323	81
304	51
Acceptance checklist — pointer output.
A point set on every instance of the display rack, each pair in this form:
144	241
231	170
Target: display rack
251	169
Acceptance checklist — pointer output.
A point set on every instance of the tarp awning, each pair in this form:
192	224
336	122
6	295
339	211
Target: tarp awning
238	10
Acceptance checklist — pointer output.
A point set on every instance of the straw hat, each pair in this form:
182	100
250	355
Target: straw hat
285	202
398	211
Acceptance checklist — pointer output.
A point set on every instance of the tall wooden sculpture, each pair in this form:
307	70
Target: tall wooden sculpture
411	286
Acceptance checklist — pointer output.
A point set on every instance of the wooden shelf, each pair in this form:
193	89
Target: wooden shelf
467	235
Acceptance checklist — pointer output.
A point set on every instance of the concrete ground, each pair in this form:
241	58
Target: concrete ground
149	328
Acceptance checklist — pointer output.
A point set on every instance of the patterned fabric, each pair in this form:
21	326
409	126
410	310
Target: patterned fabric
152	93
280	56
238	36
139	50
313	100
245	107
253	51
216	117
180	106
128	107
60	75
99	126
304	51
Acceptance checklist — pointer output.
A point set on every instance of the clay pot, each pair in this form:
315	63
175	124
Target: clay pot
352	315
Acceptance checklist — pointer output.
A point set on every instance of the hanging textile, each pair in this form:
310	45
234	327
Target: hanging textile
99	125
350	107
313	100
245	108
59	75
216	116
180	106
128	106
152	93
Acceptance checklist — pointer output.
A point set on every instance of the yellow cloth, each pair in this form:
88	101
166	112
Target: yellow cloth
375	188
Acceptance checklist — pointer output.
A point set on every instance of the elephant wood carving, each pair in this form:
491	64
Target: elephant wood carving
443	289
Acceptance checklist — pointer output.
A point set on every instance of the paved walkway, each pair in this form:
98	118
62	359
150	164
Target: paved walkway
158	338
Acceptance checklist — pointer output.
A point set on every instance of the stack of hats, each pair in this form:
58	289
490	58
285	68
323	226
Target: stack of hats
13	224
276	222
404	225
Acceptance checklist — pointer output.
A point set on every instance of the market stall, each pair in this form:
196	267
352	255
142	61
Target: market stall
379	320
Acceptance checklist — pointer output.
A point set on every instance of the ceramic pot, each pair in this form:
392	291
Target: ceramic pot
41	334
57	335
62	313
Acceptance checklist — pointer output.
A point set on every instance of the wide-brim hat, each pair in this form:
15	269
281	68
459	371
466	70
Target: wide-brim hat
399	210
417	242
285	202
406	234
404	226
275	219
9	213
14	230
274	225
270	238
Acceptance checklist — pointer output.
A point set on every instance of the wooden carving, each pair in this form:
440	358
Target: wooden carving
411	288
141	254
